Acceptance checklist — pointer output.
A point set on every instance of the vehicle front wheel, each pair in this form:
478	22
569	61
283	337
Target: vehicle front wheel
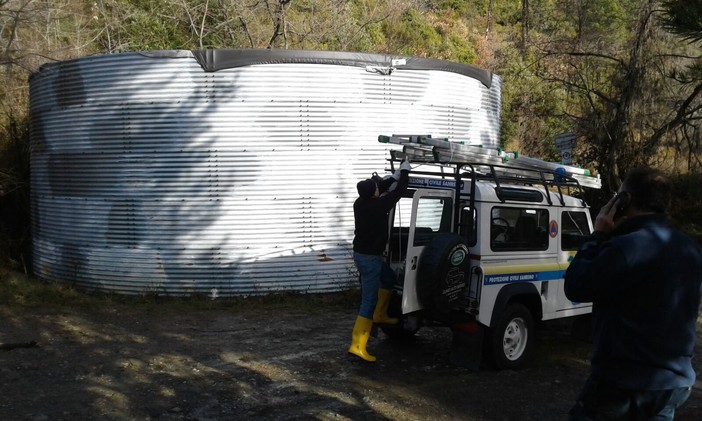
511	338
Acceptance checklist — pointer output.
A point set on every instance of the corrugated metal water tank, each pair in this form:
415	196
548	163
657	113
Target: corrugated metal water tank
226	172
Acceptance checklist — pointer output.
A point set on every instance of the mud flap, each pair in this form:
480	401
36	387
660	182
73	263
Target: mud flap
467	345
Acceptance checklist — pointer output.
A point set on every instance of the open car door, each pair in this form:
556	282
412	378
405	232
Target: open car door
431	215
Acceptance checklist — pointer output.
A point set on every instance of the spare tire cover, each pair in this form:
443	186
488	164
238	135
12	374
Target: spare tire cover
443	274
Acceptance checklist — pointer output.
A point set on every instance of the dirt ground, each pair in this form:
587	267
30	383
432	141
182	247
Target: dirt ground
118	361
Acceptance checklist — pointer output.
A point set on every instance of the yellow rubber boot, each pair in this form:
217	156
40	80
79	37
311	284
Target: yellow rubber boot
380	315
361	332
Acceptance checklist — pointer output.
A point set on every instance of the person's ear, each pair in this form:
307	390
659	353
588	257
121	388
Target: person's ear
623	201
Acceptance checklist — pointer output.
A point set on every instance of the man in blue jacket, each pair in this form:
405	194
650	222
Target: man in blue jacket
644	279
371	211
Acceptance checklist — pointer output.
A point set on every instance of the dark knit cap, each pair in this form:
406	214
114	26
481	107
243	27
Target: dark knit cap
366	188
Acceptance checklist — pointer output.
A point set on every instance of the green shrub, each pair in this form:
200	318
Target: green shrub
686	203
14	191
414	35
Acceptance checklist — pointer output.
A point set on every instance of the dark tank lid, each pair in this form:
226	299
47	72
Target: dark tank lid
213	60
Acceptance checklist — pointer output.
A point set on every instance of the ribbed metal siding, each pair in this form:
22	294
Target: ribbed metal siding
150	175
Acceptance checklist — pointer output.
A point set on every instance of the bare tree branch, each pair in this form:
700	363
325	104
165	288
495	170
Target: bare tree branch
202	24
684	113
246	31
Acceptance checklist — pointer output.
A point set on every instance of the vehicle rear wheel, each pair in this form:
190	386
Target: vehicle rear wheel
399	333
511	337
406	329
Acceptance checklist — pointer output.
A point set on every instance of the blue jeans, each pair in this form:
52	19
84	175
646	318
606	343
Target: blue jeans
598	401
375	274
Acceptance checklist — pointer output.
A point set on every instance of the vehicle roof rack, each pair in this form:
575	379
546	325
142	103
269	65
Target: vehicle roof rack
490	163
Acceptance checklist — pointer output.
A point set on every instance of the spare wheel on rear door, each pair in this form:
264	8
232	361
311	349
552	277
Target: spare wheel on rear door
442	276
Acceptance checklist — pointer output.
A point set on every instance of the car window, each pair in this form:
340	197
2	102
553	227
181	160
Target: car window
517	229
574	229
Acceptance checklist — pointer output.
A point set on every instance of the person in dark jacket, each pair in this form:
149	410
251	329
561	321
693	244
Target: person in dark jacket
375	200
644	279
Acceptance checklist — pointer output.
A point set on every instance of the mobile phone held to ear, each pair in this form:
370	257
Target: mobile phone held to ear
622	202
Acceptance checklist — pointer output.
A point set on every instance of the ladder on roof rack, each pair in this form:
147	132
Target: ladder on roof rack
426	149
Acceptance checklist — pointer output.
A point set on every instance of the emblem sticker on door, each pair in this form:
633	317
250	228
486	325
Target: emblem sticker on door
458	255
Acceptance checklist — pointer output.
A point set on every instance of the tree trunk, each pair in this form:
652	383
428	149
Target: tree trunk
525	23
279	24
488	25
631	87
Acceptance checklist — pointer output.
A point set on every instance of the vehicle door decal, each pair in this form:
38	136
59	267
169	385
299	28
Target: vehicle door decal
523	273
509	278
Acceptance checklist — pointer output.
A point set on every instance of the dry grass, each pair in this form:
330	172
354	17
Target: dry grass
21	290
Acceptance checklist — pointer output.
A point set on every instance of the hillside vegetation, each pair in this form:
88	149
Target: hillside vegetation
624	75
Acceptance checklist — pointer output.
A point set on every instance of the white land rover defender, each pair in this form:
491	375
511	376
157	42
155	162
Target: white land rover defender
482	248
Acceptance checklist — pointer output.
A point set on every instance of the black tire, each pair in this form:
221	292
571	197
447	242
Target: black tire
442	276
582	328
399	332
510	339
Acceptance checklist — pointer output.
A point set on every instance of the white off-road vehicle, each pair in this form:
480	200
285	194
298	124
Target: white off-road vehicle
482	247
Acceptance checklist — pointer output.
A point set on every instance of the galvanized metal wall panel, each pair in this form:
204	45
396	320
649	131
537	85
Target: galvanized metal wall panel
150	175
